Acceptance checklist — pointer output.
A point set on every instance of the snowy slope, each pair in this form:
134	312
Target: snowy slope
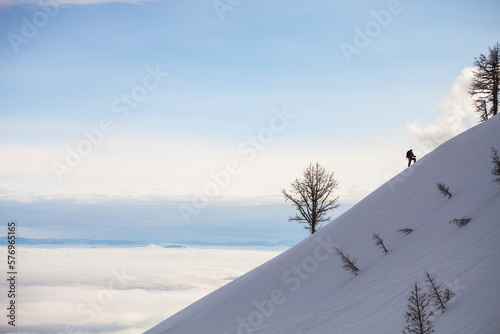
305	290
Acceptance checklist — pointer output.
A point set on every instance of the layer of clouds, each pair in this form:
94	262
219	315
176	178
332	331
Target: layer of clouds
457	115
118	290
168	169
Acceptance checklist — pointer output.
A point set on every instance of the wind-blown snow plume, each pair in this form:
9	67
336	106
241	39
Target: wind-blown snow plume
457	115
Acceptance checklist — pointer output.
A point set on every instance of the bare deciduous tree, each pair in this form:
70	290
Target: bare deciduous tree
349	264
418	315
495	159
444	190
379	242
485	84
437	295
312	196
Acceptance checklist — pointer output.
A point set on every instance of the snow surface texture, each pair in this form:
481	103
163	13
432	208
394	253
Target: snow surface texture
305	290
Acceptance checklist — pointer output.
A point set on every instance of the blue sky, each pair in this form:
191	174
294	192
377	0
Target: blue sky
157	97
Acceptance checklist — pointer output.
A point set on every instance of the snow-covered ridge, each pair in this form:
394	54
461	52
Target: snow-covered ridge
305	290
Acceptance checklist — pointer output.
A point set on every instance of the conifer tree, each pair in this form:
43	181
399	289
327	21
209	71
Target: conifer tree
418	313
349	264
444	189
437	295
379	242
495	159
485	84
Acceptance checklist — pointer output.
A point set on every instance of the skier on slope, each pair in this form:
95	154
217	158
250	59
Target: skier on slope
411	157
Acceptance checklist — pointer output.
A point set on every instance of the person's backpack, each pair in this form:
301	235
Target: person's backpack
409	155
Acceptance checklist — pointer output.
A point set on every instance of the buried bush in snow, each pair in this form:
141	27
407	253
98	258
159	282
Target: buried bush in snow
406	231
461	222
379	242
438	296
444	190
349	264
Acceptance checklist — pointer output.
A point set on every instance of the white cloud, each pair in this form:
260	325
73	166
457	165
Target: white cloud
171	169
119	290
457	115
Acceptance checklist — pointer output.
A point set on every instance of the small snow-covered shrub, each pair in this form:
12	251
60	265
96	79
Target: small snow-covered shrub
443	189
379	242
405	231
461	222
349	264
437	295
